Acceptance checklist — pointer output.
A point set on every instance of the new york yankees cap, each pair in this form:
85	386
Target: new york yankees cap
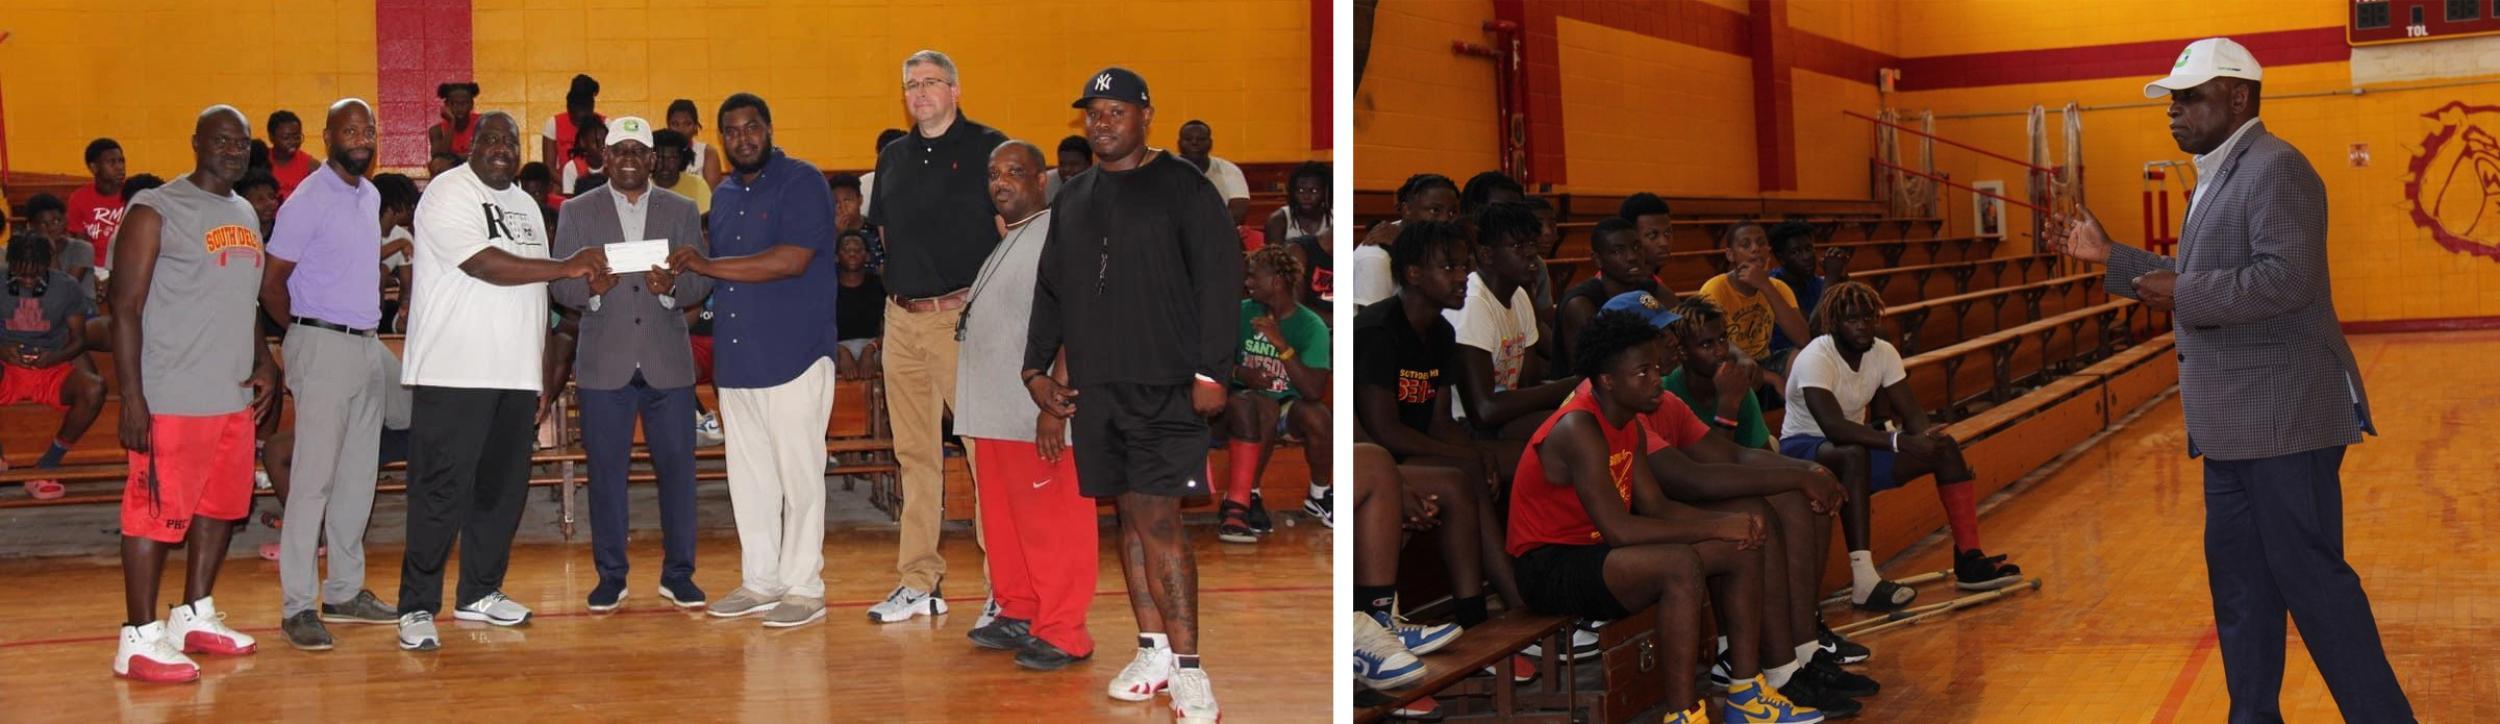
1115	83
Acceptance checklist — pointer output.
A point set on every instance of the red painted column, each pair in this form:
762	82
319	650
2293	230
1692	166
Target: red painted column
1775	114
1543	83
1323	74
417	45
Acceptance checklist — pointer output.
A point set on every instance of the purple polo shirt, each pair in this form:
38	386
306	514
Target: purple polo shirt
333	234
764	335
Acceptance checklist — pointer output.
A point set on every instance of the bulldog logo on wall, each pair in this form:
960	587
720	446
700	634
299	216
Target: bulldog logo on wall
2453	185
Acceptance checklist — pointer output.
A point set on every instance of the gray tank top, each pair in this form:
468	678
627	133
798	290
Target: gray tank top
198	325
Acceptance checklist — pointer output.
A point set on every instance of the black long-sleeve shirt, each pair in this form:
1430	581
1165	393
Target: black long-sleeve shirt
1141	278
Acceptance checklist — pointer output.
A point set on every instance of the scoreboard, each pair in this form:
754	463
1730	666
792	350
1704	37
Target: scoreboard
2374	22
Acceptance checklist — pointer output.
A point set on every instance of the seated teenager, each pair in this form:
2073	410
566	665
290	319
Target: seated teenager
1393	503
1715	381
1832	382
1280	384
1655	225
1501	382
1622	266
39	348
1424	197
1806	273
1753	302
1592	536
1401	345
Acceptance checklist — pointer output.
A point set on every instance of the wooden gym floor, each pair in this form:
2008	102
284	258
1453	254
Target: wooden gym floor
2122	627
1265	610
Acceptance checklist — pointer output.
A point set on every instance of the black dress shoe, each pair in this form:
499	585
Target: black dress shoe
1040	655
1003	634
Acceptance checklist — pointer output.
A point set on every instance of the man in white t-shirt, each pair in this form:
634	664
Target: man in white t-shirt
1197	141
476	332
1502	390
1831	383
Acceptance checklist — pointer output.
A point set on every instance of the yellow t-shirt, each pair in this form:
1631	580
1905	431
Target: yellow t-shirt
690	185
1749	317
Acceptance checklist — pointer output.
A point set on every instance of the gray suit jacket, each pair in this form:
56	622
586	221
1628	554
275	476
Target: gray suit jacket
2263	368
631	330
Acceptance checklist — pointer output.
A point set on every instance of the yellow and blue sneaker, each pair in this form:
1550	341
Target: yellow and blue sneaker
1753	701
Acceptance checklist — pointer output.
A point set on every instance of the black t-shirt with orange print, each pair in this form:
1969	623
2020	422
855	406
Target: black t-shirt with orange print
1389	353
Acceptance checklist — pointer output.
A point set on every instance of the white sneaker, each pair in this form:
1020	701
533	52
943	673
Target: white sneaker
904	603
1381	660
145	655
989	612
199	629
495	609
1144	676
1583	643
260	480
1193	698
416	632
707	429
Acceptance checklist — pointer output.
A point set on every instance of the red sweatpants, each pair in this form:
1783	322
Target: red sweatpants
1041	539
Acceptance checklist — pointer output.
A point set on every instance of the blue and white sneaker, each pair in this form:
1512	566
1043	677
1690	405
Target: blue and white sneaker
1418	640
1380	661
1753	701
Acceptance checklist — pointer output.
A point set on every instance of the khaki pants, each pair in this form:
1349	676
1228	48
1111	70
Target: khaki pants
776	451
919	389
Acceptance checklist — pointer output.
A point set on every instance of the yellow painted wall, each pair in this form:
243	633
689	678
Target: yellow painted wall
1421	107
1954	27
833	73
1872	25
140	71
1645	114
2384	266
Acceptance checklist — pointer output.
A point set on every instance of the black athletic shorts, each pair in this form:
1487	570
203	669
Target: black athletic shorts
1133	438
1565	580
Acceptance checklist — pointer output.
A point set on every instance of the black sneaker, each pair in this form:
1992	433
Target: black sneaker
1977	571
1235	529
609	595
1003	634
1258	518
1039	655
1807	690
365	608
305	632
1323	507
1830	677
682	594
1836	649
1887	598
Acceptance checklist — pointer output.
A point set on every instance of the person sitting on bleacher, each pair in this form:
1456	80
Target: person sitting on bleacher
1622	266
1807	274
1501	385
1393	503
1547	240
43	323
1830	386
1594	538
1699	466
1715	380
1424	197
1753	301
1401	345
1281	382
859	312
48	219
1655	225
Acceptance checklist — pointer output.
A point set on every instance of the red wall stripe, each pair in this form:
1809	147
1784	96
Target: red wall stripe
419	43
2147	60
1323	74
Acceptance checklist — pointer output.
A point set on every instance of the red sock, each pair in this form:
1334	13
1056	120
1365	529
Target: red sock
1962	512
1243	457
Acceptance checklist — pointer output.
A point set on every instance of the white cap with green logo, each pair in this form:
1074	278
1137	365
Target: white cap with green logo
2206	60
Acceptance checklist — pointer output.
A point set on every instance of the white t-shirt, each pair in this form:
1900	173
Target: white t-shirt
1504	331
867	190
1820	365
1227	178
463	331
1372	278
394	260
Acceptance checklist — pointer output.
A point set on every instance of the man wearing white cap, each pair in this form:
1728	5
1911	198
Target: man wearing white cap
2270	390
632	358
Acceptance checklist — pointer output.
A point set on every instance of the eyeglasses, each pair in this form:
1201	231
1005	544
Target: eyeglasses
916	86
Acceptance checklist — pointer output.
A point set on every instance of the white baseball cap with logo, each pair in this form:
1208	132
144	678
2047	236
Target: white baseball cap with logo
2206	60
629	128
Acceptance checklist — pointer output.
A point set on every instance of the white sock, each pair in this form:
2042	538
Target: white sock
1723	644
1319	491
1862	575
1159	642
1778	675
1808	650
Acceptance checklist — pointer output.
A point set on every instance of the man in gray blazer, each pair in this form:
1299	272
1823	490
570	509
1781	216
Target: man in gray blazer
2270	390
632	359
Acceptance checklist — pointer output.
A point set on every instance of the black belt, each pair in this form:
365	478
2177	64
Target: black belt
311	322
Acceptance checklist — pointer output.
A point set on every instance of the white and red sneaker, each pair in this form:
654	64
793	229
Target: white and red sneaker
145	655
200	629
1193	698
1145	676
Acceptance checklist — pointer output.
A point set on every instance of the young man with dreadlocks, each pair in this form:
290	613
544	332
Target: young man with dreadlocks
1831	383
1280	382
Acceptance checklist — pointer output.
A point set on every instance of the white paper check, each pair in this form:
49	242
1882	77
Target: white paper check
629	257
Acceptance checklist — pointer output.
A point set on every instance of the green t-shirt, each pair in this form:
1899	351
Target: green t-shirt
1303	329
1749	432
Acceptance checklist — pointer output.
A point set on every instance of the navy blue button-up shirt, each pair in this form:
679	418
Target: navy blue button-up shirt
765	334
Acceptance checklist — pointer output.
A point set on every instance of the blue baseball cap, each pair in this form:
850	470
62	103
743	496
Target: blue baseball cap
1641	303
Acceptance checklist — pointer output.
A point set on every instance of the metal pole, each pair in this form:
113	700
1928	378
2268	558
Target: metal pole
1946	141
